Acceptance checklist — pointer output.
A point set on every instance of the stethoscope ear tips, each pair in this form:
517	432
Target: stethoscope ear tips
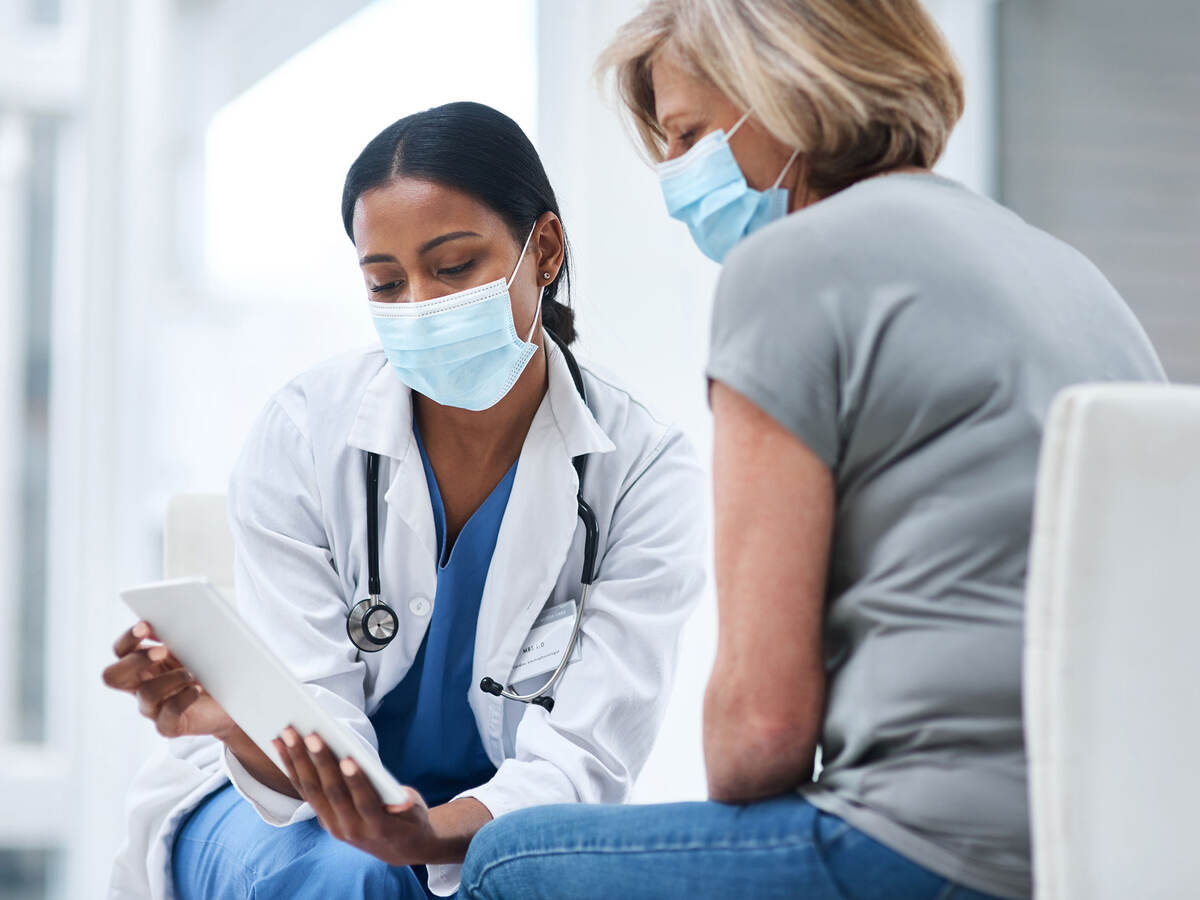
488	686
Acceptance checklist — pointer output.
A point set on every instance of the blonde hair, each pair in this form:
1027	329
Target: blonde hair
859	87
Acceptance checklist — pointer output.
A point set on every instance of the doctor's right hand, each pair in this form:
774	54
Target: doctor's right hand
167	693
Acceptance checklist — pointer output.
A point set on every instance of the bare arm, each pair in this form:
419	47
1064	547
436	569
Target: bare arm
257	763
774	505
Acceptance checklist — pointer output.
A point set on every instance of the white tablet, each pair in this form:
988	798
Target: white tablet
250	682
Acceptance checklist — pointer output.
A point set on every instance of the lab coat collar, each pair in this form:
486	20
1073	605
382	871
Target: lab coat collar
580	431
384	421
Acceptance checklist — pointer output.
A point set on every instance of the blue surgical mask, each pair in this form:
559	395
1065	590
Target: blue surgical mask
705	189
460	350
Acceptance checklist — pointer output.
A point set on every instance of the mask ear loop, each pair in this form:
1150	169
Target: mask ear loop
537	313
521	258
791	159
537	316
733	130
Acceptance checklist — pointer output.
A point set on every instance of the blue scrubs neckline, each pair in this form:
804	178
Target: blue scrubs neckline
439	507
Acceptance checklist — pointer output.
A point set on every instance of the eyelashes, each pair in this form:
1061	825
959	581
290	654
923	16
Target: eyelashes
449	272
456	270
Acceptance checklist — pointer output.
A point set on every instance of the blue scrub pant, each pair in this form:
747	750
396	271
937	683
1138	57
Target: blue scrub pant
225	851
781	849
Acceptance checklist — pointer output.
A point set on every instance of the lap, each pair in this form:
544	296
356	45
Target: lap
783	847
225	851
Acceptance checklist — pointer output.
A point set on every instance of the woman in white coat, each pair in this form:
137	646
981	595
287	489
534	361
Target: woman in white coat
478	426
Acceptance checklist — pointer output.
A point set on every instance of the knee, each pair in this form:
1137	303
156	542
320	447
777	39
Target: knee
352	873
490	844
494	859
331	868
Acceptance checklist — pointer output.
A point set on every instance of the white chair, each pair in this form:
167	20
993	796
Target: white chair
1112	647
197	540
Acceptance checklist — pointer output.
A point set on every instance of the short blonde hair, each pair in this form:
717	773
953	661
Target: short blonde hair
859	87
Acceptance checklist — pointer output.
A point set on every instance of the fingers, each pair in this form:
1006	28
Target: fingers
362	794
137	662
138	667
339	793
333	783
132	638
152	694
171	719
286	758
304	776
414	805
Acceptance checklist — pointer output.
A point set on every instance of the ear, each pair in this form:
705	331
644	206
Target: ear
548	247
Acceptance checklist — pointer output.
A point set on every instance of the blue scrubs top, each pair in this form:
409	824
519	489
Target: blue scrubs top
426	730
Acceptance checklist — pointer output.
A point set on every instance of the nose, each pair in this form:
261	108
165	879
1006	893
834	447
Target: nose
423	287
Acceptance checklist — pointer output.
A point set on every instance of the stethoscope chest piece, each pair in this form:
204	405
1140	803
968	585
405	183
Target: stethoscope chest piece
371	625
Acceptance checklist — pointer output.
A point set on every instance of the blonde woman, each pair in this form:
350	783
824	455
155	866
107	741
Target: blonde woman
885	345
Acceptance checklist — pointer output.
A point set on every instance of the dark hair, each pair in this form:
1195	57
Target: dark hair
479	150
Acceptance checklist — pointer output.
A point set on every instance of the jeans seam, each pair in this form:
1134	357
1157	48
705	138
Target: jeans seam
821	849
842	832
770	846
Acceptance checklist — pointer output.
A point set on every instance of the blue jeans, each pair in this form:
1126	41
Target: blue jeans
225	851
784	847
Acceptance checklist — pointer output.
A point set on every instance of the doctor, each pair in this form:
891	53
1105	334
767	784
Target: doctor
471	430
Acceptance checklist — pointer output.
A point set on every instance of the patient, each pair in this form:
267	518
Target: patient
885	346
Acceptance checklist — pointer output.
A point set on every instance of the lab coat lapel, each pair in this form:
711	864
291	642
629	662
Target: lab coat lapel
408	543
534	538
384	426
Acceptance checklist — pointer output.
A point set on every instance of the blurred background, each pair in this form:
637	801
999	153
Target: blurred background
171	253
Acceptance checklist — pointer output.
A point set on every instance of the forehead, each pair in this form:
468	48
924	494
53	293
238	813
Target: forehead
413	209
678	90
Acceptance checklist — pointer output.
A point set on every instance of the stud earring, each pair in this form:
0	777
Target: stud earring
546	275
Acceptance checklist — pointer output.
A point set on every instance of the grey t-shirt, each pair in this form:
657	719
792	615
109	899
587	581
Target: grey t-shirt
912	334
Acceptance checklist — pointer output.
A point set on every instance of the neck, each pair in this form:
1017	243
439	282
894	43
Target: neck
489	437
800	195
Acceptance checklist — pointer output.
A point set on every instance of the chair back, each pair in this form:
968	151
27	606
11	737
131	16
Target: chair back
1112	646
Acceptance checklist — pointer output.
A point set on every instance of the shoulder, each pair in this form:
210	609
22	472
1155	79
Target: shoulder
308	418
881	217
329	393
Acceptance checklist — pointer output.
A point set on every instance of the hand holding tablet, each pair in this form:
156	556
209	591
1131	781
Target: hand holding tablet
210	646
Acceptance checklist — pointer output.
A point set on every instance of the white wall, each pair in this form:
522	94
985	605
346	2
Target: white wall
643	290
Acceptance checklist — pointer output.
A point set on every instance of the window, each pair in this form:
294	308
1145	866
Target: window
27	189
30	874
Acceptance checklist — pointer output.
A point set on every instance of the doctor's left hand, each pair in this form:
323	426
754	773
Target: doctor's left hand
349	807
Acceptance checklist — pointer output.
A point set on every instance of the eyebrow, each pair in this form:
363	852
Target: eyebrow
663	120
424	248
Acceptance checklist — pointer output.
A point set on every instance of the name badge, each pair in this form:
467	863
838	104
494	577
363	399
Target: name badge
543	648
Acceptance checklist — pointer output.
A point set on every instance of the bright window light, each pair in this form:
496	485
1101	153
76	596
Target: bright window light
277	155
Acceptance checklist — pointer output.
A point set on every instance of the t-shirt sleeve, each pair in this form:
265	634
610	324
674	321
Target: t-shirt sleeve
775	339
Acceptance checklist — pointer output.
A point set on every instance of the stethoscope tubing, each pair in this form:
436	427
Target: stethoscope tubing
509	694
359	619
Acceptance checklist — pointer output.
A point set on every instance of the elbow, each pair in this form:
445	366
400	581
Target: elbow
756	754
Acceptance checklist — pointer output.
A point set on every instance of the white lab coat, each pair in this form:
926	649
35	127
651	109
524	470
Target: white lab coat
297	507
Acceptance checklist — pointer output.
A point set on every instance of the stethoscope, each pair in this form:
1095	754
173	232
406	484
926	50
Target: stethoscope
373	624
